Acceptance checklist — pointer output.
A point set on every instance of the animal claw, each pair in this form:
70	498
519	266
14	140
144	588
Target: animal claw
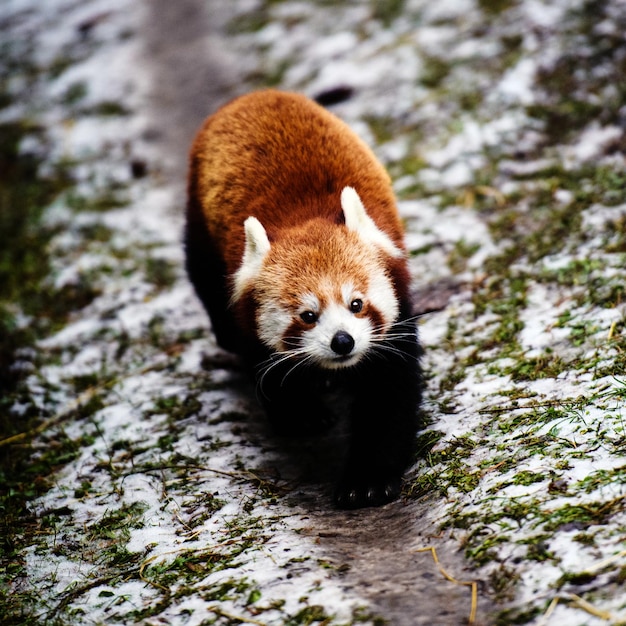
365	495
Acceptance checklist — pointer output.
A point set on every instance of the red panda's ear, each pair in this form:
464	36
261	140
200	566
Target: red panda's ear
256	248
360	222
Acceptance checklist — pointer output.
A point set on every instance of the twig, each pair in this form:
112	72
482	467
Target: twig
579	603
147	562
473	584
587	607
240	475
612	330
56	419
239	618
549	611
533	405
138	469
606	562
59	417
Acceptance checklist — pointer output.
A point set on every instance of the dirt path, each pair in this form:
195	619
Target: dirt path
193	73
402	584
374	550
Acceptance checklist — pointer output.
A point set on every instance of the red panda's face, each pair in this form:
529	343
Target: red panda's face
322	291
331	325
325	300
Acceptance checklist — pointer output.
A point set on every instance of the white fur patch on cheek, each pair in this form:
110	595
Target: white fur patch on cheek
382	296
273	322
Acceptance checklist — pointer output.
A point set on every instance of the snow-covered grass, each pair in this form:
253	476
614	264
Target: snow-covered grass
152	491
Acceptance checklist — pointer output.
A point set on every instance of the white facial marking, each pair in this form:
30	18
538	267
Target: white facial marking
273	320
310	302
383	297
349	293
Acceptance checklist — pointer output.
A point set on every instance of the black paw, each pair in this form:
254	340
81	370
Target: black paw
356	494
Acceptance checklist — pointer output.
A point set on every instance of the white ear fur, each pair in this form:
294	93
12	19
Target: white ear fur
256	247
359	221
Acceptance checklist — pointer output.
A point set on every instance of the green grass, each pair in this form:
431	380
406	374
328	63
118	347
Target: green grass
28	311
24	259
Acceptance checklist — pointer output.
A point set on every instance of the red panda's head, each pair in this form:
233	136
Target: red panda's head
323	292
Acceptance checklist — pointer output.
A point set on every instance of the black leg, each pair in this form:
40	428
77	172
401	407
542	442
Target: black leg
292	397
384	422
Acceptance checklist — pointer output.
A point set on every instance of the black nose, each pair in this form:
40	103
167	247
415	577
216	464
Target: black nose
342	343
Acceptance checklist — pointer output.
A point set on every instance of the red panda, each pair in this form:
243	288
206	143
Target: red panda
295	247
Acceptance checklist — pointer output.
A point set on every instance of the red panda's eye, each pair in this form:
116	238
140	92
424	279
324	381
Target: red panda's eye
308	317
356	306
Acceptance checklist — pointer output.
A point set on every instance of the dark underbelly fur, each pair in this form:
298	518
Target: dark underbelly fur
385	388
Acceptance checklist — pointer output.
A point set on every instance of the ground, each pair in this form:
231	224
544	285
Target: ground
139	480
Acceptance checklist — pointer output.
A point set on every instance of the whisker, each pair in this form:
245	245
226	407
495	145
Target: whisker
397	324
392	336
387	341
299	363
398	331
276	360
386	350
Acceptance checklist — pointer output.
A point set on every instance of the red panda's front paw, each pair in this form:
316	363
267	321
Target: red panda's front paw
359	493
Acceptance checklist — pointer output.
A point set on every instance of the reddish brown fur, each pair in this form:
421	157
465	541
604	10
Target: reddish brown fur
297	267
283	159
